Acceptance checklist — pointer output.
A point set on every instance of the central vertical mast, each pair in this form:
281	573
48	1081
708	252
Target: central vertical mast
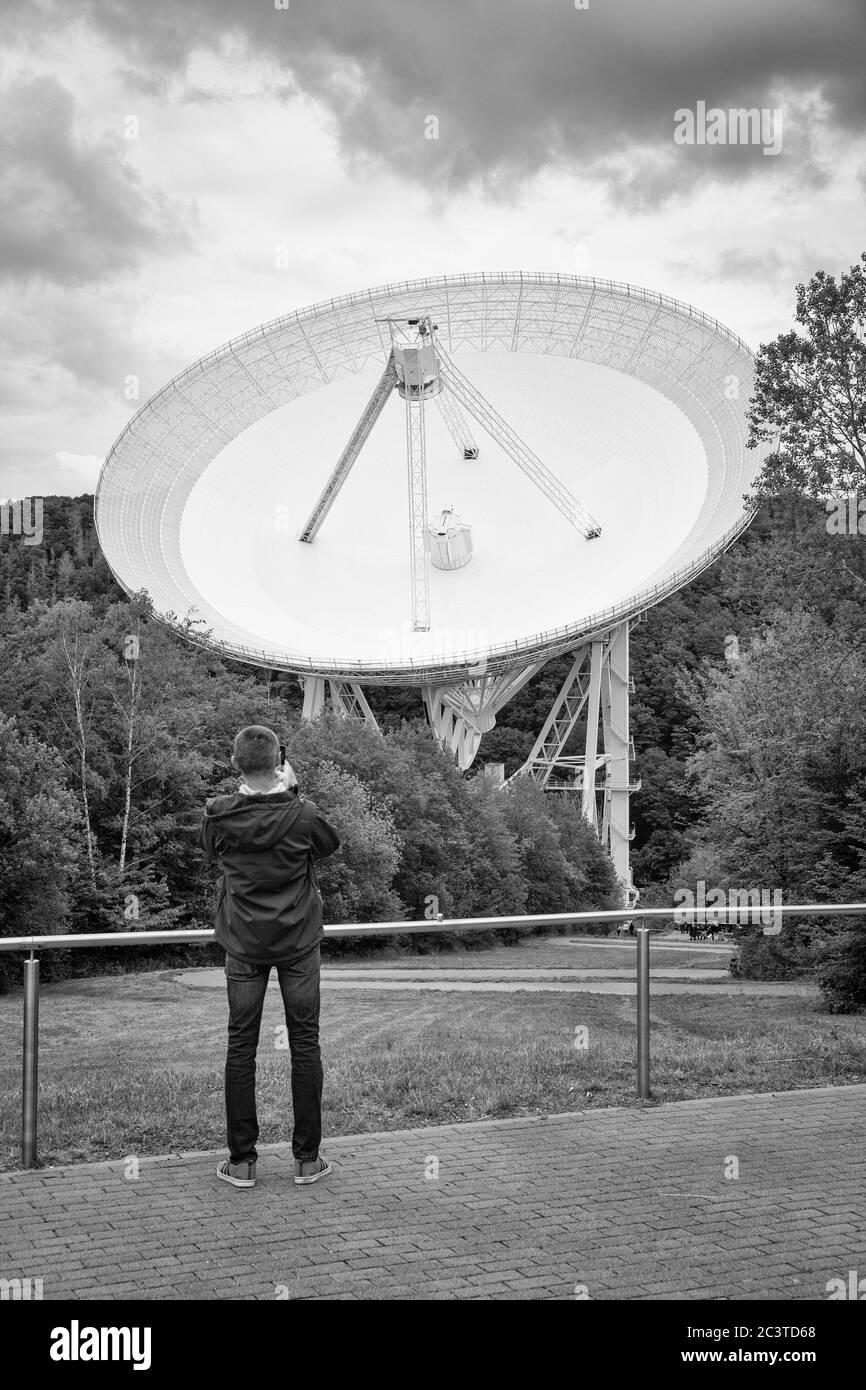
417	371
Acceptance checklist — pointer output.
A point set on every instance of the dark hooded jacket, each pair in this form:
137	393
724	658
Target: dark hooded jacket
269	910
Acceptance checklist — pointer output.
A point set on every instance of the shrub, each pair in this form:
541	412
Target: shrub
842	972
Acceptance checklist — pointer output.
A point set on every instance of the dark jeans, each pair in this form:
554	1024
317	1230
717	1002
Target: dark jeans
299	985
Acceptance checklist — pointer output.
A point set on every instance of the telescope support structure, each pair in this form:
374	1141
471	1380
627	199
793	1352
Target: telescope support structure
460	714
594	696
595	691
347	700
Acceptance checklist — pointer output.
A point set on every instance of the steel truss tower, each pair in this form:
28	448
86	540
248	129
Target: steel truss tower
596	689
347	700
593	697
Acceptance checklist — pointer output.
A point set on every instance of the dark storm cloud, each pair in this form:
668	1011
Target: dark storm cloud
149	84
520	84
73	211
761	267
743	266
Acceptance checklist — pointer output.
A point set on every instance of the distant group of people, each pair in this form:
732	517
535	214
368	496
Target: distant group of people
698	933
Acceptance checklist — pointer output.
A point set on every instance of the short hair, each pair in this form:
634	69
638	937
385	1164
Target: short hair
257	749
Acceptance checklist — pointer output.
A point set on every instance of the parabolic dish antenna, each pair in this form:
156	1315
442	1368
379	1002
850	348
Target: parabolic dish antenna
441	483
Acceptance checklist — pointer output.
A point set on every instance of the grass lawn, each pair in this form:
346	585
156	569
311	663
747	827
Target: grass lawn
549	953
133	1064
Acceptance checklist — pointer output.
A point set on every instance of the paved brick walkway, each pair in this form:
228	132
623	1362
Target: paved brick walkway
626	1203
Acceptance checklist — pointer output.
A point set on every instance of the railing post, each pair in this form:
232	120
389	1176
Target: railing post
31	1062
643	1013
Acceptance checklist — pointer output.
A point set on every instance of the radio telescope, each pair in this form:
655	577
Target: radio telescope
444	483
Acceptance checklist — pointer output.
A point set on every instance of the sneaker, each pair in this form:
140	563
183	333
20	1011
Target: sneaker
310	1170
238	1174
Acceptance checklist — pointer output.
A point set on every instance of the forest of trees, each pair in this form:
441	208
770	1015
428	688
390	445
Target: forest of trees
748	717
107	758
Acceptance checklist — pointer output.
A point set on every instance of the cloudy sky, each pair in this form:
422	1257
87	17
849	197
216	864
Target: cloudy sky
173	172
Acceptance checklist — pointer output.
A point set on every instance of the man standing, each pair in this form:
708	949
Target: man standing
265	838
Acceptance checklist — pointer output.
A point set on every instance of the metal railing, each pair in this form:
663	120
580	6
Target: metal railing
718	916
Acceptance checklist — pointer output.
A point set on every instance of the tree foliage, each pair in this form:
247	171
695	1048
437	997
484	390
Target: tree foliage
810	392
748	721
40	840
